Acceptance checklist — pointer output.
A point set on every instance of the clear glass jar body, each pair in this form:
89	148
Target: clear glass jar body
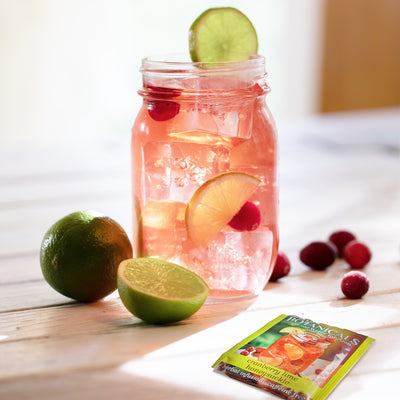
196	123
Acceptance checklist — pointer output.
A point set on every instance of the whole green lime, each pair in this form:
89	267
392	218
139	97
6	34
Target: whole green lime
80	254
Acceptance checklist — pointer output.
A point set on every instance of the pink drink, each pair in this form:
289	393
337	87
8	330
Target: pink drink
194	125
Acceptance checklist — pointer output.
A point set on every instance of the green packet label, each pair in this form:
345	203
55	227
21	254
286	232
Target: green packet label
294	358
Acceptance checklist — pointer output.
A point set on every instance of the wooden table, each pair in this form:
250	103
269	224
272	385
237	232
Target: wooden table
337	172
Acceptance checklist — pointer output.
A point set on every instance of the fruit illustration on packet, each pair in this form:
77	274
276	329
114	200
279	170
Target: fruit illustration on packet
294	357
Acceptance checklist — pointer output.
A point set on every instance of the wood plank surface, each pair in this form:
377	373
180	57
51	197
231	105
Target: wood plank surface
53	347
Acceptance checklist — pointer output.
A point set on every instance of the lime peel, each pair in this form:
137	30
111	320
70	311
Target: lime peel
80	254
222	34
215	203
159	291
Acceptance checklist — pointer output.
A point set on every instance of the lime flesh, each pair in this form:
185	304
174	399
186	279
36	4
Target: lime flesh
215	203
222	34
159	291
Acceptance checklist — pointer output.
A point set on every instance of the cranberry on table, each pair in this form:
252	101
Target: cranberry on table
357	254
281	267
355	284
318	255
340	239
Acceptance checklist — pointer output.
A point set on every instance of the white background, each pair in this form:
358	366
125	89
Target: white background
69	69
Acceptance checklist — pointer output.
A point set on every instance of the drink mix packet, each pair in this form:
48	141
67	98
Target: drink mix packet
294	358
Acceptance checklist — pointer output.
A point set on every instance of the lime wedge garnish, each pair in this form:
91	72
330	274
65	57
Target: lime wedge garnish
215	203
159	291
222	34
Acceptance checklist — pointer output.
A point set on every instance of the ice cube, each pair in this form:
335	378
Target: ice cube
233	120
174	170
234	260
192	164
157	170
163	228
193	117
163	214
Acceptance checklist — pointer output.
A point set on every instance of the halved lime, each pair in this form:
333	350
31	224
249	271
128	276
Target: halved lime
222	34
159	291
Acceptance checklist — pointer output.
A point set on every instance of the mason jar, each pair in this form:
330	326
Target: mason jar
204	172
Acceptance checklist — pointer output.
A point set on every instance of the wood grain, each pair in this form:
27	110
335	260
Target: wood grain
52	347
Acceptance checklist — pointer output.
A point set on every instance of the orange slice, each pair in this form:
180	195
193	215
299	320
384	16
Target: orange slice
215	203
294	352
275	362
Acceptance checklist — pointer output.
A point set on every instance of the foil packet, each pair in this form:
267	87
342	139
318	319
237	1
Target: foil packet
294	358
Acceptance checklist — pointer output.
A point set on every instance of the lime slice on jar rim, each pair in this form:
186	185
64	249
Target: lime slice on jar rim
222	34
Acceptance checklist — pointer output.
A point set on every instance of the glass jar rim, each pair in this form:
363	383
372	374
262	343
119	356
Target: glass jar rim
180	64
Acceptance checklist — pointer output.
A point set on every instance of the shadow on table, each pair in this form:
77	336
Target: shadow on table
107	384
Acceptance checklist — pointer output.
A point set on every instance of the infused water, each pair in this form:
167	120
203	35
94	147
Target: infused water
197	124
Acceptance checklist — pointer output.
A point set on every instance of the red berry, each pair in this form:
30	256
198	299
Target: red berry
244	353
251	349
318	255
340	239
355	284
281	268
247	219
318	371
357	254
161	110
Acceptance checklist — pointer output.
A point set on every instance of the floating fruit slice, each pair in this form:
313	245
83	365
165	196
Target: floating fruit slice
294	352
158	291
292	329
222	34
275	362
215	203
